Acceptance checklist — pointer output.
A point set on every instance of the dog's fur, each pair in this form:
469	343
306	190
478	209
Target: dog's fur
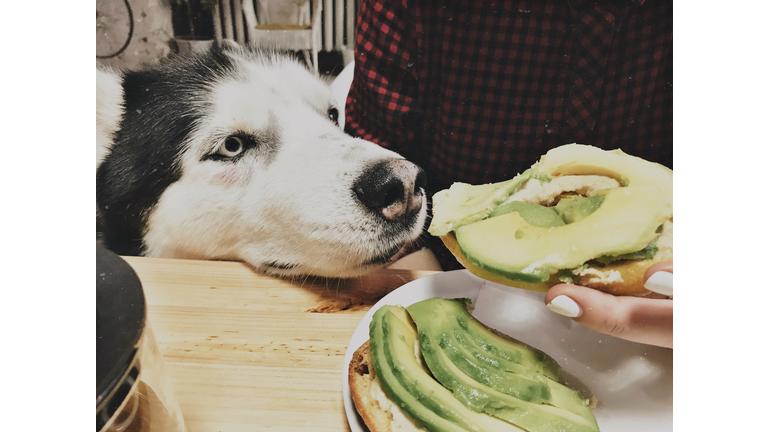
288	204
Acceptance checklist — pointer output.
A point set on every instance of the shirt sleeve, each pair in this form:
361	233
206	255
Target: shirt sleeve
381	105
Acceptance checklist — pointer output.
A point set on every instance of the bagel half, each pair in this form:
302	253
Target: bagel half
563	172
557	407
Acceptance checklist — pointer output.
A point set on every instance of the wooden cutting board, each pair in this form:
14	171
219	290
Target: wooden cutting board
247	352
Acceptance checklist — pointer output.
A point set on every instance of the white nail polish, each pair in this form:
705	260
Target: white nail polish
660	282
565	306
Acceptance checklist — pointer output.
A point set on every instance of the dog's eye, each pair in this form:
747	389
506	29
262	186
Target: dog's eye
333	114
232	147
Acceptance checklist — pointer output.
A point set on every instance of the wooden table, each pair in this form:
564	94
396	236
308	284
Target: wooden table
247	352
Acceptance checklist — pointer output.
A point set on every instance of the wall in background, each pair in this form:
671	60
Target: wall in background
152	31
156	21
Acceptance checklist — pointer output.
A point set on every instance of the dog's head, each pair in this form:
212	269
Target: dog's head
233	154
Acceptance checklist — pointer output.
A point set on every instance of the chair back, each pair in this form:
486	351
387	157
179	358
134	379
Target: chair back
283	12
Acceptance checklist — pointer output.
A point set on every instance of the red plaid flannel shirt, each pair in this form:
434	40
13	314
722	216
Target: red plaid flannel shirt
476	91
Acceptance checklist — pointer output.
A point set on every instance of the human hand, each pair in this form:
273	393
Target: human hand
639	319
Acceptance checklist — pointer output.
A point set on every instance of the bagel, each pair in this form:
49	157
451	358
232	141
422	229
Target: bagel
638	239
376	415
424	365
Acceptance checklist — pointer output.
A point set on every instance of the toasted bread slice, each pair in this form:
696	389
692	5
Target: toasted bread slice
361	375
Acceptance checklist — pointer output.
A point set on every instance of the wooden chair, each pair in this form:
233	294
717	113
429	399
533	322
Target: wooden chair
332	24
286	24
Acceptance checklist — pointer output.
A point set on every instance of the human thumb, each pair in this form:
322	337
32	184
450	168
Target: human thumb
636	319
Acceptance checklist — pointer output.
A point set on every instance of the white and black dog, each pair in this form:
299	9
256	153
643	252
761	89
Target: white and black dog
237	154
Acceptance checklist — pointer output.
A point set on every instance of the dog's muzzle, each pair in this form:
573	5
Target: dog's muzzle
393	189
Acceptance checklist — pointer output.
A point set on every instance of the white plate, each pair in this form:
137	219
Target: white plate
632	382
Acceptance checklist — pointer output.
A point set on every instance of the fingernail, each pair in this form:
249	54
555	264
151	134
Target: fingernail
565	306
660	282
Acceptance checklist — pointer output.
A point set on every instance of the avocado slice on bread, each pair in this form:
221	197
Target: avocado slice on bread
581	215
432	366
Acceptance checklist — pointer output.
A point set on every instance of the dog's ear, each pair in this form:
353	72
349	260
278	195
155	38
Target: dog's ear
109	109
340	89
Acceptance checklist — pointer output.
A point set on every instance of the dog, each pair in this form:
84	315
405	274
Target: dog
237	154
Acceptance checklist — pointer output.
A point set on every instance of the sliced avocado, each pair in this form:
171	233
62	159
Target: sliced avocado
422	398
530	400
575	208
534	214
480	350
448	321
579	159
517	380
474	335
509	246
464	204
647	253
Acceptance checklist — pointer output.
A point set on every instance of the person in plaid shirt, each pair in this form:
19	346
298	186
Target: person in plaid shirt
476	91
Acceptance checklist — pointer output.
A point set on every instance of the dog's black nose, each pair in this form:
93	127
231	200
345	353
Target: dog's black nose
392	188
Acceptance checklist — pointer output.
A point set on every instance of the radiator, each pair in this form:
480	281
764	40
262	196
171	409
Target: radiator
337	20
